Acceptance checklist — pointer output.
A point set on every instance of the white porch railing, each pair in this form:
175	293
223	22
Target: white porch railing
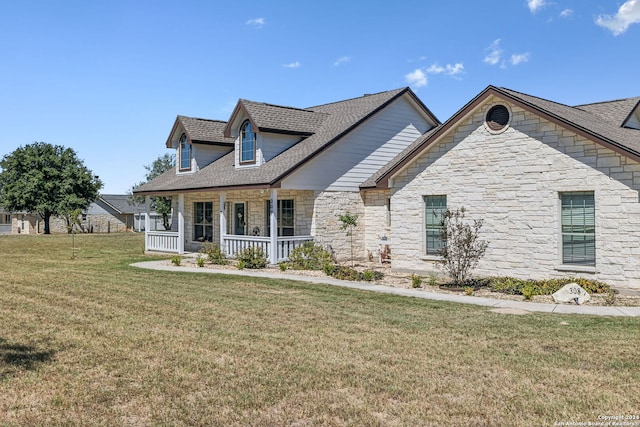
233	244
162	241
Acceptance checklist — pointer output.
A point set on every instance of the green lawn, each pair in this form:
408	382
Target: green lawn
92	341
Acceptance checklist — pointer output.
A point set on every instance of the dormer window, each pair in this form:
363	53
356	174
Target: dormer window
247	143
185	153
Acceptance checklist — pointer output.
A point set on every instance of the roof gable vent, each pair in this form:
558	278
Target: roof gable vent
497	117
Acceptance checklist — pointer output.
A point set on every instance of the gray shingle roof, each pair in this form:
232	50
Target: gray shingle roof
122	203
602	121
275	118
338	119
615	112
204	130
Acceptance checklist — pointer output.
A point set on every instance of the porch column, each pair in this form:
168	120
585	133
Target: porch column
147	221
181	223
223	219
273	225
147	213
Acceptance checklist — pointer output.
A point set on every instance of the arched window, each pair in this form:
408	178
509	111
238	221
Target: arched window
247	143
185	153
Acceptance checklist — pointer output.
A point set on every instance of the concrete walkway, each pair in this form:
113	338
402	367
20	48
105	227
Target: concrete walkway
519	307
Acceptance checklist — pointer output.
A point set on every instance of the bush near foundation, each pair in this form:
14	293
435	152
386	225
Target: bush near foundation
529	288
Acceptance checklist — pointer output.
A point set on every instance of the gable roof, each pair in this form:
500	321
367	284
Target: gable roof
616	112
338	119
201	131
121	203
277	119
601	123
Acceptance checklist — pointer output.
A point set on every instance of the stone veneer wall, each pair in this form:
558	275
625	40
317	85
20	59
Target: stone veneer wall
376	221
92	224
255	208
328	206
512	181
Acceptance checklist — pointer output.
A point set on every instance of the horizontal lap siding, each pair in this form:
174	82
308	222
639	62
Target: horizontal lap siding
357	156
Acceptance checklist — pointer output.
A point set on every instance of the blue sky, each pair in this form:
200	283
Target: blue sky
107	78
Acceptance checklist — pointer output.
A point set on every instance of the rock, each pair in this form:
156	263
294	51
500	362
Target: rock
571	292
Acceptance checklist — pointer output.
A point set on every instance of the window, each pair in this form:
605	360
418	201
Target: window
185	153
5	218
285	217
578	228
435	206
203	221
247	143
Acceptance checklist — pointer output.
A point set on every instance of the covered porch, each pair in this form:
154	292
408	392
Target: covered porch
245	220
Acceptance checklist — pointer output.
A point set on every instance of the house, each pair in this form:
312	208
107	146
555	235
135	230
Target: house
110	213
275	176
18	222
557	187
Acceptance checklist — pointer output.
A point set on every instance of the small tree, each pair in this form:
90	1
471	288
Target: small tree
162	205
462	249
73	219
349	222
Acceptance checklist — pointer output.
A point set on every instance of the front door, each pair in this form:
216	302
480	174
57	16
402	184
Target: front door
239	219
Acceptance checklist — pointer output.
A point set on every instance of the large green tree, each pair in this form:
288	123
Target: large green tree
162	205
46	179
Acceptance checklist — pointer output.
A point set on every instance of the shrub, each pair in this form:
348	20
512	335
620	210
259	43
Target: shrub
252	257
309	256
283	266
416	281
528	291
240	265
347	273
200	260
176	260
329	269
432	279
468	290
530	288
462	249
214	253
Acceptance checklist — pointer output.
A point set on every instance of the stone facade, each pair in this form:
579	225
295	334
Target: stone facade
328	206
512	180
255	208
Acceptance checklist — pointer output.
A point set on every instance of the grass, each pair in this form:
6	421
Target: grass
92	341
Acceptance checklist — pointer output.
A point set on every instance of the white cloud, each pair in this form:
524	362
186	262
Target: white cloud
416	78
534	5
450	70
566	13
292	65
256	22
341	61
628	14
495	53
519	58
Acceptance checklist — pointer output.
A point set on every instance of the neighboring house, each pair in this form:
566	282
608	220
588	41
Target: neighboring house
276	176
557	188
18	223
110	213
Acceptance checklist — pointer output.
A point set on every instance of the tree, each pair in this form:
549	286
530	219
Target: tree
462	249
349	222
46	179
161	205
